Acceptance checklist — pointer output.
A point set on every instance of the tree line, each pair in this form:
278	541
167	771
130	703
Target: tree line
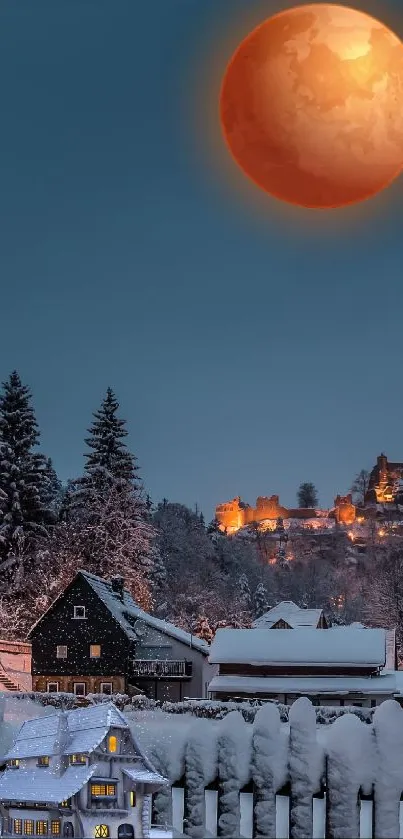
105	522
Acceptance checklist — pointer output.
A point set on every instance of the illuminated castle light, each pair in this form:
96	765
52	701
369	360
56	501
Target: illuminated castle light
234	514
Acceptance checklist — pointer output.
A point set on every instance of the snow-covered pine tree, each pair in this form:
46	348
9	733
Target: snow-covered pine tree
245	596
53	491
107	520
260	601
24	514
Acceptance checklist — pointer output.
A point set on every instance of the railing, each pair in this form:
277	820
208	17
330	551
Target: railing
155	669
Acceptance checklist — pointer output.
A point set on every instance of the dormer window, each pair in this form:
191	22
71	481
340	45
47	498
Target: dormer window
43	761
14	762
79	612
112	743
95	650
61	651
78	759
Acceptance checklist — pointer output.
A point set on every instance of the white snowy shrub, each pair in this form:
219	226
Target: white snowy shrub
234	768
200	770
388	728
269	768
305	766
351	766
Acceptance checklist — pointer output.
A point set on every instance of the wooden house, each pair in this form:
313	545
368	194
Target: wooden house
344	665
287	615
95	639
80	774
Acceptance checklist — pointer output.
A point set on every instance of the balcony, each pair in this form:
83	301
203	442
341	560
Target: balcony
155	669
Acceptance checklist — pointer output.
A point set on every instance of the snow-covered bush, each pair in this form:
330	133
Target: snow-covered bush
351	766
200	770
388	728
234	767
305	766
269	768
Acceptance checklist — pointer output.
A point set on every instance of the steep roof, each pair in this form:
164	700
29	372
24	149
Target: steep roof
87	727
338	646
127	613
291	613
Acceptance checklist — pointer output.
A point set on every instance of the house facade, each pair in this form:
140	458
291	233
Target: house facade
95	639
339	666
77	774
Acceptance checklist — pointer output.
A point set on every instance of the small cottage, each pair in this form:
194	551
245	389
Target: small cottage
94	638
287	615
80	774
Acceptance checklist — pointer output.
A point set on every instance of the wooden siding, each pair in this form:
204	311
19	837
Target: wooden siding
287	670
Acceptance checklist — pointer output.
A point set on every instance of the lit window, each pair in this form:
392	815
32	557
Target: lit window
101	830
95	650
29	827
112	743
66	803
18	826
43	761
79	612
103	790
52	687
61	651
14	762
132	798
41	828
55	827
79	758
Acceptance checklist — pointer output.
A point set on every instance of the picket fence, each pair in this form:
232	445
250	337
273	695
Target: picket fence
293	781
365	807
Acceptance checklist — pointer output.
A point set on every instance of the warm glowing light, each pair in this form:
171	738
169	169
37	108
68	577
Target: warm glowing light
360	519
312	106
381	532
351	536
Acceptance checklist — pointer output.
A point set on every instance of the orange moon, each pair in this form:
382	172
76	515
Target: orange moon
311	106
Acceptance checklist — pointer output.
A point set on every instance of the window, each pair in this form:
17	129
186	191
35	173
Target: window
29	827
52	687
43	761
79	612
79	688
106	688
41	828
14	762
101	830
55	827
18	826
95	650
112	743
78	758
103	790
61	651
66	803
132	798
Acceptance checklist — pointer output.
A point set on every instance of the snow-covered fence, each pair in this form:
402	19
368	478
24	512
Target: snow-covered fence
289	781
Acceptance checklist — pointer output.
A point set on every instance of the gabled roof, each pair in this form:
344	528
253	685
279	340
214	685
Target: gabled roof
339	646
126	613
291	614
87	727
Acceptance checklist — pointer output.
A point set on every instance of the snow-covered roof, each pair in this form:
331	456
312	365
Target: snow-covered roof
306	686
291	613
87	727
43	785
127	613
338	646
143	776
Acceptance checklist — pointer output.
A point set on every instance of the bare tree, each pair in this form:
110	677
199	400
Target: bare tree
385	589
359	487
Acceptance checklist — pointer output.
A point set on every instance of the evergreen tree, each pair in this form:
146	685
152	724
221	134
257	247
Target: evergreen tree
53	491
23	501
307	495
245	596
260	601
109	463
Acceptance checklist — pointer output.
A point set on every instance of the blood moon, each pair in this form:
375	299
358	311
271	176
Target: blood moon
311	106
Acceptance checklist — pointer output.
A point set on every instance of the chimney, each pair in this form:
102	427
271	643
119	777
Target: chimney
118	584
62	740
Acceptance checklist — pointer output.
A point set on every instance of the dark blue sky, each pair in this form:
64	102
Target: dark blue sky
251	347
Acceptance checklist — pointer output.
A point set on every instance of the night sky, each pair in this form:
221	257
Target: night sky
252	346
